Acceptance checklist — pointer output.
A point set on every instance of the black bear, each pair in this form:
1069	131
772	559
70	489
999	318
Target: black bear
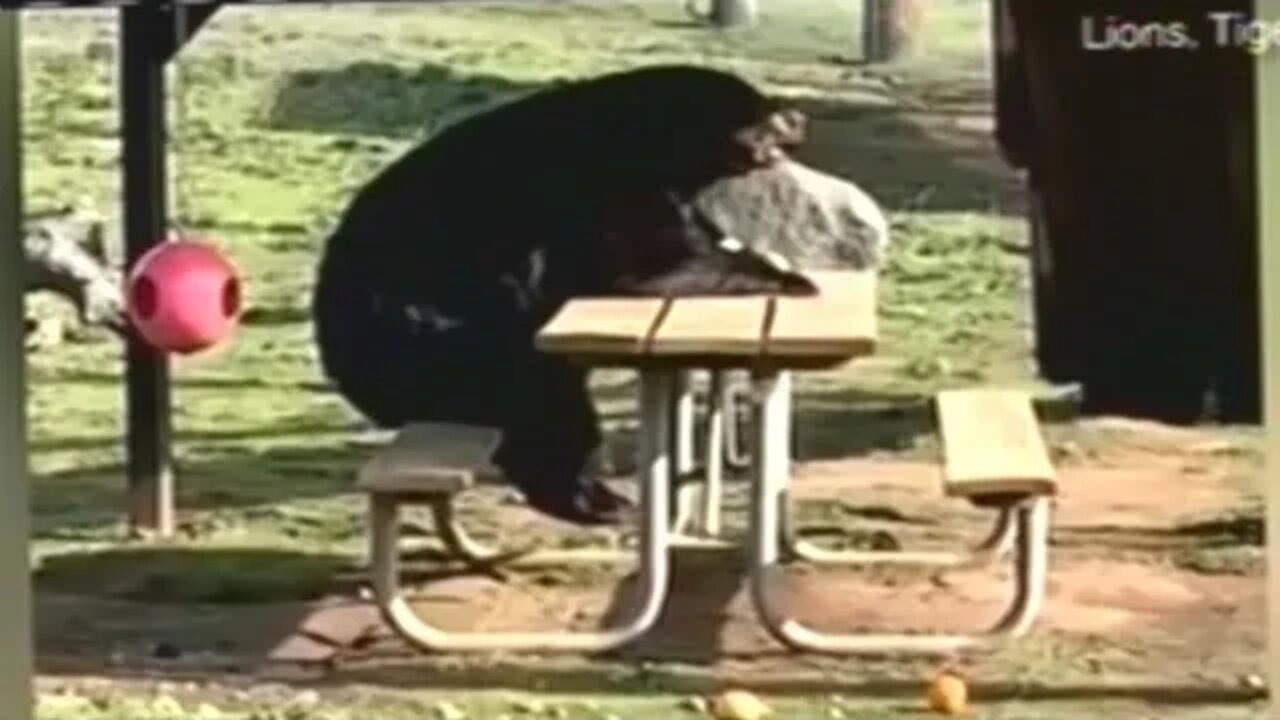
441	271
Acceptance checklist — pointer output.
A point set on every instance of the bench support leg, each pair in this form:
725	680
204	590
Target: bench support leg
1032	567
459	543
656	394
456	539
765	569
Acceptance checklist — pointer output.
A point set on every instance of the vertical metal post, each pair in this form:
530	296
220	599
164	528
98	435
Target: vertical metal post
1268	189
16	640
145	39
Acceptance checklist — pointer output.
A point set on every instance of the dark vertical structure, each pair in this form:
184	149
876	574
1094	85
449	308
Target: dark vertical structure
150	35
142	102
1140	164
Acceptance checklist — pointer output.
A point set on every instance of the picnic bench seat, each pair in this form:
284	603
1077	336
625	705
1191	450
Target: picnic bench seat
992	446
431	459
994	456
431	464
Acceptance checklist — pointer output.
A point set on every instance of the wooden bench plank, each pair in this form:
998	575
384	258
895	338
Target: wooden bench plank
605	326
992	444
431	458
711	326
840	320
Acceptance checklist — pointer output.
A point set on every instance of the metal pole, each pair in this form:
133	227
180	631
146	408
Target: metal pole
1268	144
145	39
16	640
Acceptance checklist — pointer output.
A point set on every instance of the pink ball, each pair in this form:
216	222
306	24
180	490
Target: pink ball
183	296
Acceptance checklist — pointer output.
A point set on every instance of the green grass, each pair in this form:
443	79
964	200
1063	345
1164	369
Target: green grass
284	111
279	120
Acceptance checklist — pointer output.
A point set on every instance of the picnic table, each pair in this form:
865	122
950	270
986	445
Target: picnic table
995	458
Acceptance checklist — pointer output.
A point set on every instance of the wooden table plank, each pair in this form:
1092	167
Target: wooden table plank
840	321
711	326
607	326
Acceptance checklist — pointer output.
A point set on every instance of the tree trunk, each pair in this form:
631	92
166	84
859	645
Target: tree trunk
724	13
889	28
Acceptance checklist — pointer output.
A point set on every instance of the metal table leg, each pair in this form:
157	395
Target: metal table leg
681	428
765	570
713	488
995	546
656	388
736	455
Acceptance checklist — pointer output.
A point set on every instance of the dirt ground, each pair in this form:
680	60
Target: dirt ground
1125	600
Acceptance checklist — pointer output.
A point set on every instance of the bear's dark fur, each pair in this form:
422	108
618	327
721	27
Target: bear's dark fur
441	271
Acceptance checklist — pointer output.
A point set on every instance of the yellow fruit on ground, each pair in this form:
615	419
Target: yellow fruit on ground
948	694
738	705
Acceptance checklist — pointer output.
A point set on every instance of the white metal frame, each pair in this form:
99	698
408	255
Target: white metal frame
664	448
658	390
772	471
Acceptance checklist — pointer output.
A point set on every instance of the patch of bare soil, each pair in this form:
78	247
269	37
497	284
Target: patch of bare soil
1117	602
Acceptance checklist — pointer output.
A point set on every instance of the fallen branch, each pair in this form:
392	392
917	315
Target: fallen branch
65	254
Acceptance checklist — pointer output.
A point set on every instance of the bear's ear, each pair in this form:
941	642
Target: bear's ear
789	126
767	142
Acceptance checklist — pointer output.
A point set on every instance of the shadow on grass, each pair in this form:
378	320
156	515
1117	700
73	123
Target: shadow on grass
694	617
887	151
276	315
374	98
214	607
299	428
179	381
69	504
194	575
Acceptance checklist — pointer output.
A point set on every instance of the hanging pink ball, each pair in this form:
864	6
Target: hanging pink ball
184	296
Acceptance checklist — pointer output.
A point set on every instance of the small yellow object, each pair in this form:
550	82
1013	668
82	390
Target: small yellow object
948	694
739	705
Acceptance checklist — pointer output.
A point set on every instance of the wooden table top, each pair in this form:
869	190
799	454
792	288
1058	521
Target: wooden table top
837	325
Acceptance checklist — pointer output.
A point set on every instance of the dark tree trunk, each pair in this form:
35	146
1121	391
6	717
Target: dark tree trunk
1142	165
